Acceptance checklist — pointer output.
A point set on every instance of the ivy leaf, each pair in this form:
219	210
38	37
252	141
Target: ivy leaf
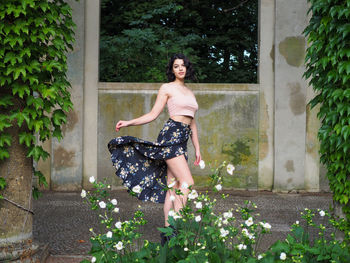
4	153
6	100
4	122
41	178
36	193
2	183
57	133
26	138
5	139
20	89
59	117
37	152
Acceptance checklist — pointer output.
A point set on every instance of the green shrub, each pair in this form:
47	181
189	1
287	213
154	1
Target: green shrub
201	235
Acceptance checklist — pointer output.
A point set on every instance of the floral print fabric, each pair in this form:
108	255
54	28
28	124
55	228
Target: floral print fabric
141	164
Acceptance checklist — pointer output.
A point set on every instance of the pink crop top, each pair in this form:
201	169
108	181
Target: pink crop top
182	105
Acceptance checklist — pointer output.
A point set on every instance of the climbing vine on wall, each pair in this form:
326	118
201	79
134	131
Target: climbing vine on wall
328	68
35	36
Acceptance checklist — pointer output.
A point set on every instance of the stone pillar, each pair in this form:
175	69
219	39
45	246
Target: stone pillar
266	81
92	32
16	219
290	94
67	154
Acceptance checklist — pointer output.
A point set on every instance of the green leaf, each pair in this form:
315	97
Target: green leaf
37	152
4	122
41	178
59	117
26	138
4	153
6	100
5	139
36	193
2	183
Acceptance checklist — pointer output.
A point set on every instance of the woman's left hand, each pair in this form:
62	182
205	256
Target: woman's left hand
198	158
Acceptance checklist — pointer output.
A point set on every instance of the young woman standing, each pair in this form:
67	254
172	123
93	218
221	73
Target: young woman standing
147	167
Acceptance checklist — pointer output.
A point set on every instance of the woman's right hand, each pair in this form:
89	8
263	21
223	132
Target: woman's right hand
121	124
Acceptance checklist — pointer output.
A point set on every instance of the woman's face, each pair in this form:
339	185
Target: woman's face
179	69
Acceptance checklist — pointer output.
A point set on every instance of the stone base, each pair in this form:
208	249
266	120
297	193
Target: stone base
24	252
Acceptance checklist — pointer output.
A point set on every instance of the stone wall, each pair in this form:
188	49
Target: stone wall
266	129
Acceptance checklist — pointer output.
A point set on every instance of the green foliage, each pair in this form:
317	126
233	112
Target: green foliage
35	36
328	68
199	234
138	37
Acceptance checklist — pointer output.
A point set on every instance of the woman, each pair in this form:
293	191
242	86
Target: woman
147	167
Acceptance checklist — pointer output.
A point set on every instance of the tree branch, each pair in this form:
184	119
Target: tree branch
233	8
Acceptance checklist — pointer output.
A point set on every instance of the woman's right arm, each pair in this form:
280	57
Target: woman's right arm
161	100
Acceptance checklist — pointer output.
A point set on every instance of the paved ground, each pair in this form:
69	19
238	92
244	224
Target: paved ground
63	220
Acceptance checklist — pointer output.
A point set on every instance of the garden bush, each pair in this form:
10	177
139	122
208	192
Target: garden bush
201	235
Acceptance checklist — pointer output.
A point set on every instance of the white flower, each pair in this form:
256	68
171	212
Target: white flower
171	213
102	204
118	225
172	184
184	185
93	259
92	179
137	189
230	168
114	201
172	197
202	164
83	193
322	213
218	187
198	218
249	221
199	205
193	194
176	216
265	225
283	256
225	222
116	210
109	234
241	246
119	245
297	222
223	232
260	257
185	249
228	214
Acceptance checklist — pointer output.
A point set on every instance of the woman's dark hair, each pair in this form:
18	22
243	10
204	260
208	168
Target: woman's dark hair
189	69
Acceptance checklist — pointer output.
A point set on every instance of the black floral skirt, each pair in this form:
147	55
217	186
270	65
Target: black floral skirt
141	164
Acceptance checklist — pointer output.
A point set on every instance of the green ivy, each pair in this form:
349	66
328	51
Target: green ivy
35	36
328	68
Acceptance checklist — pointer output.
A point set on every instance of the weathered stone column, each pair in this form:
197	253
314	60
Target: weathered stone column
16	220
290	95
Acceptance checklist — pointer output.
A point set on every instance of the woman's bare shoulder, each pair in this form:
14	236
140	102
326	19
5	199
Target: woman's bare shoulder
166	88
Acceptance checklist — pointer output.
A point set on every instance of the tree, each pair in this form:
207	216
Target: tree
138	37
35	36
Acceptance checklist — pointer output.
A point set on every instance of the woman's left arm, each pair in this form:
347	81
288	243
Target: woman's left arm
195	142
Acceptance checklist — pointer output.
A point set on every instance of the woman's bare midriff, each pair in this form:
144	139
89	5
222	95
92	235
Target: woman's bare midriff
184	119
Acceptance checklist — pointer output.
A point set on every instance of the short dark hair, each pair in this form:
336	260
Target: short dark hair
189	68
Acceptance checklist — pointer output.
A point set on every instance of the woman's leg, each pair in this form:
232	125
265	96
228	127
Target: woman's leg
179	169
169	204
